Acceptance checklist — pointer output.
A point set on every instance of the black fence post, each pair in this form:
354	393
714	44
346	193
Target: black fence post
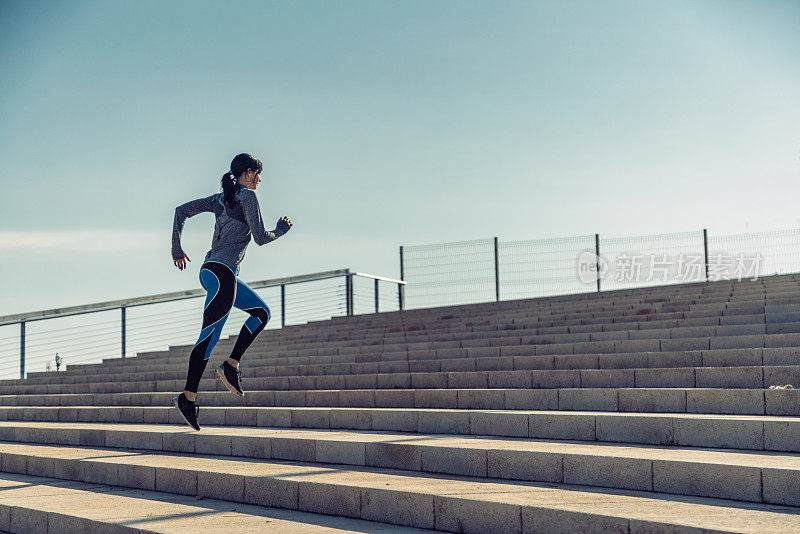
496	273
283	305
22	349
348	290
376	295
705	249
401	297
597	253
123	331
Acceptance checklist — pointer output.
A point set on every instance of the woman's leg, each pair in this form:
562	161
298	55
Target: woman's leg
249	301
220	283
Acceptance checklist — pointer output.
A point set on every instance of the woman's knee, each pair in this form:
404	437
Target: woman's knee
259	317
262	313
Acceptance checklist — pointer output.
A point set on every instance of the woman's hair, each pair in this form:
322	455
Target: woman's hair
239	165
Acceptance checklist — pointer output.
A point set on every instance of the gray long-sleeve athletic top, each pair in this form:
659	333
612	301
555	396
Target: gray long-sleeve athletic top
233	229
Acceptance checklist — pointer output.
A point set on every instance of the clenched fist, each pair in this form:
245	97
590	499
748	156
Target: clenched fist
284	224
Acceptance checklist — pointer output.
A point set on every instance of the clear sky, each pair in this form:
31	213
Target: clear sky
381	123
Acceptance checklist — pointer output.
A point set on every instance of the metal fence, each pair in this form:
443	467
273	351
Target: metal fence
490	269
89	333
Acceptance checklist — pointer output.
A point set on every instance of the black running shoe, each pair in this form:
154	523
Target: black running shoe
188	410
231	377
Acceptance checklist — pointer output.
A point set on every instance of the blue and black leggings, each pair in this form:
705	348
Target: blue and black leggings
224	290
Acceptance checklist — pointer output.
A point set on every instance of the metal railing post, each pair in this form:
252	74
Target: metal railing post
400	289
705	249
348	294
283	305
123	330
376	295
22	349
597	253
496	273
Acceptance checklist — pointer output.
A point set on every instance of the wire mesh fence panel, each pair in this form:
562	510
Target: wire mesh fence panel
542	267
449	273
752	255
650	260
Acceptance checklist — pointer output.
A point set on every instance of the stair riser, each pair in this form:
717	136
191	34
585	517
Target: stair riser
620	341
633	340
712	401
453	513
664	329
746	377
729	433
663	476
682	369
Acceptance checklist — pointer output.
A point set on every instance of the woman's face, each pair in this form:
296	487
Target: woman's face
250	179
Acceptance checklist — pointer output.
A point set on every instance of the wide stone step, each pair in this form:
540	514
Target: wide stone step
621	341
433	377
514	347
731	474
416	320
31	504
276	335
488	361
644	400
653	296
776	433
470	359
558	323
698	338
585	332
444	502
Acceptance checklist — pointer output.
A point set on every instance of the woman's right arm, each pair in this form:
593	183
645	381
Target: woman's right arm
183	212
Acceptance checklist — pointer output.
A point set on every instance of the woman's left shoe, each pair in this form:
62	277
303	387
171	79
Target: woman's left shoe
231	377
188	410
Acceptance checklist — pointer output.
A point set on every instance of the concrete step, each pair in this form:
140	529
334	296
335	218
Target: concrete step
31	504
612	341
516	322
731	474
431	376
775	433
444	502
478	313
743	377
642	400
597	330
694	338
470	359
500	347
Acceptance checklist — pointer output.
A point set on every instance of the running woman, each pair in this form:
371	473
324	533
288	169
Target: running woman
238	219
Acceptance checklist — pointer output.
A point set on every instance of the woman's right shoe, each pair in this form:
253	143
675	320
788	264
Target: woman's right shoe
188	410
231	377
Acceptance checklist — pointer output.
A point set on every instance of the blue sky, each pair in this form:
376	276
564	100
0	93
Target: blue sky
381	124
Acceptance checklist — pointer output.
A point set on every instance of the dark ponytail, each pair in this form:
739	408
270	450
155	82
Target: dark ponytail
239	166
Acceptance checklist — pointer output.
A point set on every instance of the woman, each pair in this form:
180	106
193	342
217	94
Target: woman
238	219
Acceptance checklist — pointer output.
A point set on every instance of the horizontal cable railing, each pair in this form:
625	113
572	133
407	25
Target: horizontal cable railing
49	340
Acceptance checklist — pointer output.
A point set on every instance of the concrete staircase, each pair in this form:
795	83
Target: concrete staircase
645	410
